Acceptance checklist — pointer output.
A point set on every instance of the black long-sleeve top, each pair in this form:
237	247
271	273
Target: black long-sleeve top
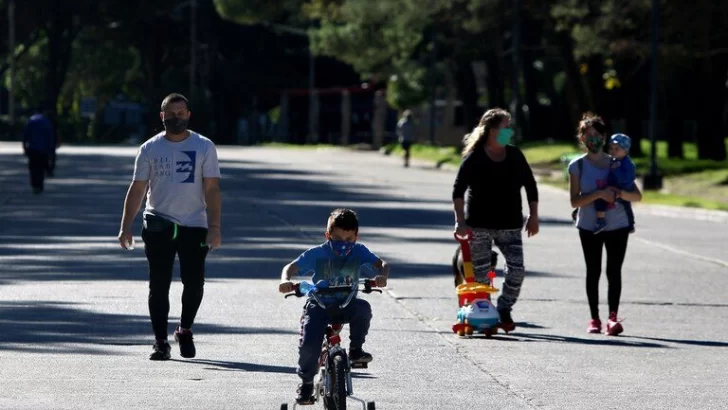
494	198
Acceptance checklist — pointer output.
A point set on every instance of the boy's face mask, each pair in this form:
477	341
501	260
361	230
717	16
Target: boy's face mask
341	248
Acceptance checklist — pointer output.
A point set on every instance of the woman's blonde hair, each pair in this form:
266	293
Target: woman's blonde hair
476	139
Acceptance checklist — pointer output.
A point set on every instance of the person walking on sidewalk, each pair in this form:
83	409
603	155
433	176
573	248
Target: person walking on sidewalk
178	171
39	144
406	134
495	171
588	181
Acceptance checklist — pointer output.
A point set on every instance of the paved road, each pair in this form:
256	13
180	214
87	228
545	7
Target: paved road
75	331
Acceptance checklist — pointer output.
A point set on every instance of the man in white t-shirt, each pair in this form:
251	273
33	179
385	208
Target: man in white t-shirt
179	172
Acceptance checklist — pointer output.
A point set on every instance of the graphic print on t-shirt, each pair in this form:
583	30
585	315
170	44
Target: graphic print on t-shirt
162	166
186	167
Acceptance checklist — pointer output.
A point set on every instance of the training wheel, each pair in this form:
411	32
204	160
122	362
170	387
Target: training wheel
488	333
469	330
370	406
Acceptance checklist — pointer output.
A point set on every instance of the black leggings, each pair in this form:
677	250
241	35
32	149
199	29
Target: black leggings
616	244
161	249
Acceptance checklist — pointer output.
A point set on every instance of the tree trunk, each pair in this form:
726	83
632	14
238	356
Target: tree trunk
574	84
711	121
152	55
496	95
61	33
675	115
468	93
636	106
596	91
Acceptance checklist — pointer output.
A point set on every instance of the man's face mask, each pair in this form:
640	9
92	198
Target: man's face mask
175	125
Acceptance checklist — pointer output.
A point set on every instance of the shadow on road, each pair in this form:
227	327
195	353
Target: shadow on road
603	340
47	326
219	365
703	343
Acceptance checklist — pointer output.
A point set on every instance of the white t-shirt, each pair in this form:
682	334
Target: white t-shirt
175	171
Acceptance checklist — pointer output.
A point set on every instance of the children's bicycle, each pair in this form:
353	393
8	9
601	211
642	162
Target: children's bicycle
334	381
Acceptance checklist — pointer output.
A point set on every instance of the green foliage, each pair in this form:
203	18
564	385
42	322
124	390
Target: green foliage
407	90
30	75
257	11
374	37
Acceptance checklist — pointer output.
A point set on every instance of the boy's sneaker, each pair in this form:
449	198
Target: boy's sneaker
614	327
186	345
506	321
162	351
595	326
601	224
359	356
305	394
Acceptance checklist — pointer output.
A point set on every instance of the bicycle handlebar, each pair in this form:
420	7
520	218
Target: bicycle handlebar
370	286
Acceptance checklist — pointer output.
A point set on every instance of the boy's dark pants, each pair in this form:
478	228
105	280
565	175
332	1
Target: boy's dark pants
313	329
161	248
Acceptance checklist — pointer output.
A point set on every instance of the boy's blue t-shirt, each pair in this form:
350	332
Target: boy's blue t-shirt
324	264
624	173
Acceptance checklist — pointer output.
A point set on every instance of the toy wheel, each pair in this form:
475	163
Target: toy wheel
469	330
488	333
284	407
370	406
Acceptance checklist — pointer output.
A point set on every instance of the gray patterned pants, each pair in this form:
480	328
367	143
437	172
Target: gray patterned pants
510	244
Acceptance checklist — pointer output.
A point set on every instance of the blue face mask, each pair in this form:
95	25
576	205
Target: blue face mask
342	248
504	136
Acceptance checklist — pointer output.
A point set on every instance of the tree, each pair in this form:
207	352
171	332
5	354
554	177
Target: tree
692	61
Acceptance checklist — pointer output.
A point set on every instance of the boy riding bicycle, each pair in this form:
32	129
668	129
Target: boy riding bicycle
337	261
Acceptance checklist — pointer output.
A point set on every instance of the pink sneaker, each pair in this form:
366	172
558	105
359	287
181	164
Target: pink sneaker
595	326
614	327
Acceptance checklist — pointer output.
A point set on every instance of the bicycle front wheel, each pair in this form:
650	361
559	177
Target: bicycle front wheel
338	383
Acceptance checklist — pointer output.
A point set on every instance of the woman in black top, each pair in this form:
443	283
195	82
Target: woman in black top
494	172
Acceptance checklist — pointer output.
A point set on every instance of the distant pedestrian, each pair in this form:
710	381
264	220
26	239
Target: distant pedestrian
588	181
179	173
406	134
39	144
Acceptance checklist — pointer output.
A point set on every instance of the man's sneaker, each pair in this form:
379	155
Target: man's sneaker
359	356
601	224
614	327
186	345
305	394
595	326
506	321
162	351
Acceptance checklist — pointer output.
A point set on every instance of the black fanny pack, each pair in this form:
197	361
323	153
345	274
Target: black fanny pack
154	223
